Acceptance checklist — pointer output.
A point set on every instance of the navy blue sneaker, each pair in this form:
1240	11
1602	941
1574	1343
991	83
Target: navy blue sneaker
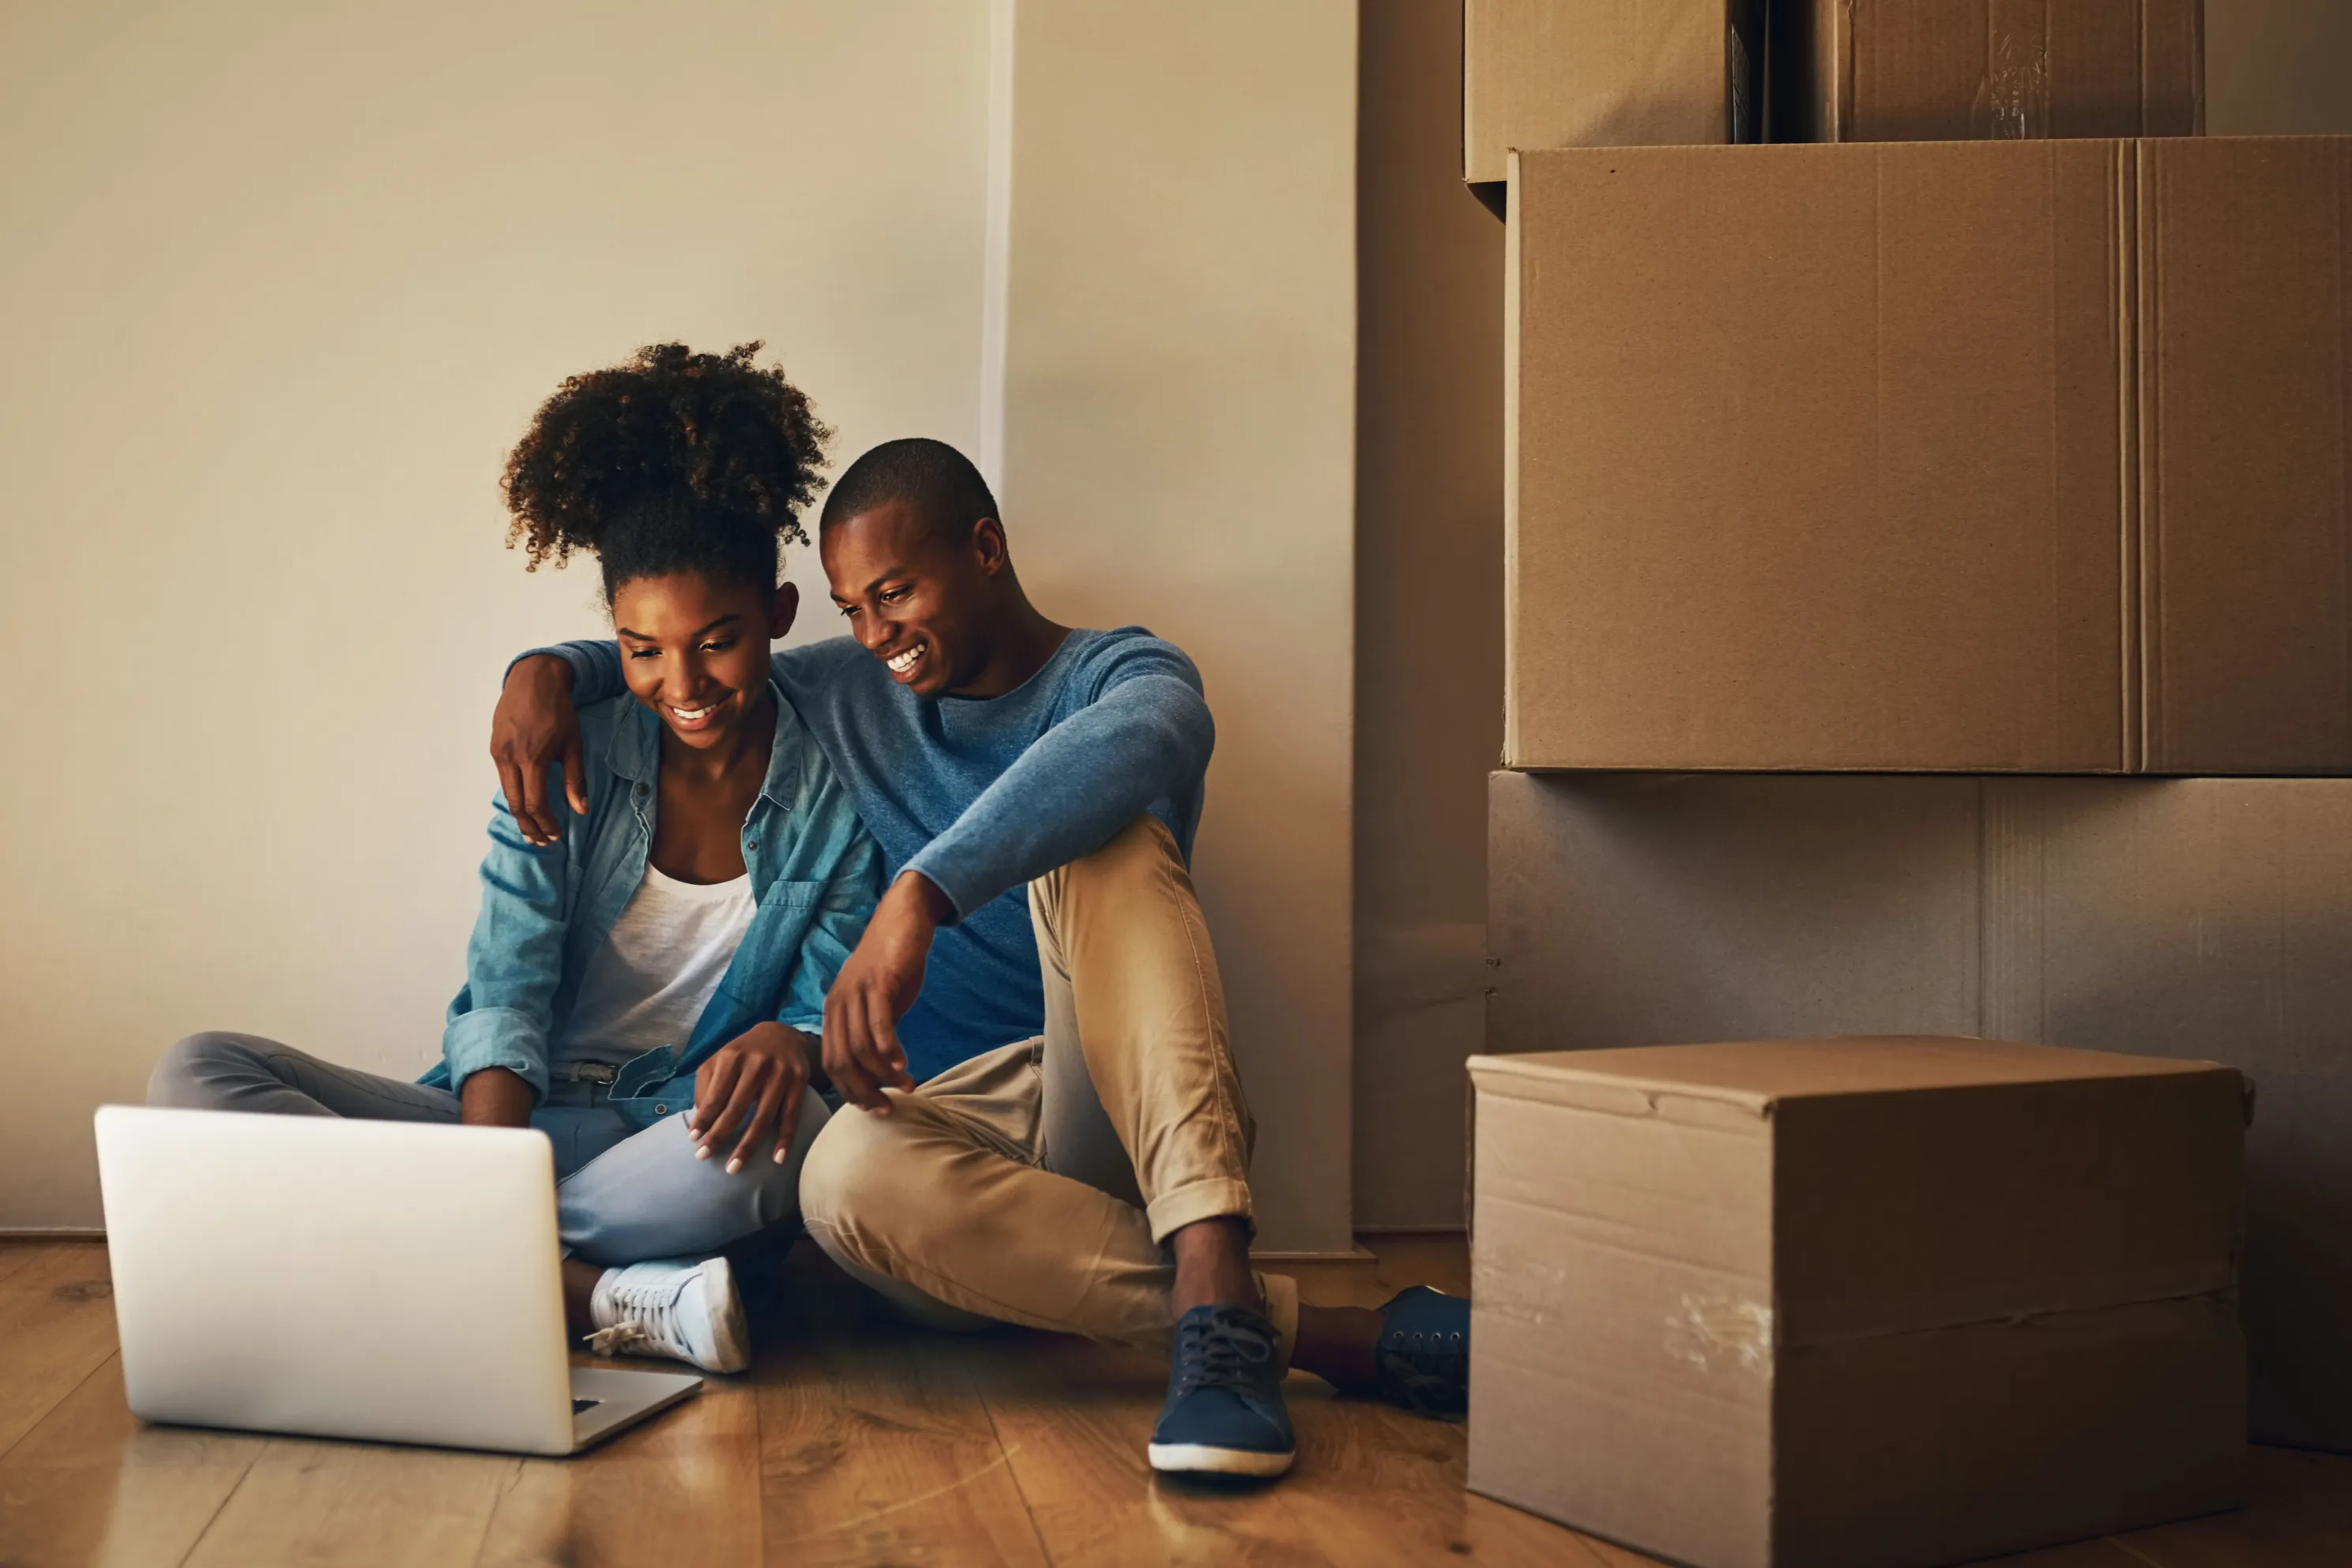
1225	1414
1425	1352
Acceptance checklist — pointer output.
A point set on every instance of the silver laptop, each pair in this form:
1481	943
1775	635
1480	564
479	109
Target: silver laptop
386	1280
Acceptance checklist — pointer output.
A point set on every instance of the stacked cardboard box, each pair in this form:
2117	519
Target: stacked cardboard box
1948	70
1978	456
1665	73
1832	1303
1984	458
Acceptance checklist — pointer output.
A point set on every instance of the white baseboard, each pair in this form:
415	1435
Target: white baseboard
1401	1230
1352	1255
94	1233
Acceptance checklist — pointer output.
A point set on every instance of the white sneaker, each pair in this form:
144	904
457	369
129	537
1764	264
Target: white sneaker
688	1312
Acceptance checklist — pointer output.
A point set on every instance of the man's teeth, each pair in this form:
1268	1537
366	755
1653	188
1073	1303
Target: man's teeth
691	714
904	662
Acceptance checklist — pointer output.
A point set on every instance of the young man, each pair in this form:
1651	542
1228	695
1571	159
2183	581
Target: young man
1055	1134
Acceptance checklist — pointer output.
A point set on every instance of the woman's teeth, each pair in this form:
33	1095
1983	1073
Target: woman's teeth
694	714
901	663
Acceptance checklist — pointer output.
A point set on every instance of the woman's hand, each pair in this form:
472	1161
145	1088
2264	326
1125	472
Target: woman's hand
535	727
750	1091
876	986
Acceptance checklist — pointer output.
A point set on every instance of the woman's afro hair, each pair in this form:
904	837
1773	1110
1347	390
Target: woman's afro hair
674	461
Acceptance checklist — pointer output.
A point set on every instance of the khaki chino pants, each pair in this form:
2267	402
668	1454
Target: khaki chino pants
1036	1184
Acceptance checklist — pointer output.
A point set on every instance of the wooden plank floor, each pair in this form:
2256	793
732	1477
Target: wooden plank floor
854	1440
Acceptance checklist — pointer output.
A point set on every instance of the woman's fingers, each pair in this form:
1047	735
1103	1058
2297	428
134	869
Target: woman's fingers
705	1100
761	1120
788	1117
714	1094
741	1102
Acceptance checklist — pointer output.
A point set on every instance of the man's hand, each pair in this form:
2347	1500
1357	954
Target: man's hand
494	1097
534	728
876	987
750	1091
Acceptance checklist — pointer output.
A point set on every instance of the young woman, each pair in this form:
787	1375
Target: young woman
648	989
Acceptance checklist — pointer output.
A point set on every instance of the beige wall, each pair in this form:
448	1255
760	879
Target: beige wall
2278	68
282	284
1179	433
1429	603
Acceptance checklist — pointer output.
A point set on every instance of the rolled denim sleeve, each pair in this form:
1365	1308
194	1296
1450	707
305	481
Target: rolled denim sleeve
513	961
842	912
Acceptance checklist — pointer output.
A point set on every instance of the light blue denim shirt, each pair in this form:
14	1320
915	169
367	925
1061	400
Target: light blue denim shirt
815	873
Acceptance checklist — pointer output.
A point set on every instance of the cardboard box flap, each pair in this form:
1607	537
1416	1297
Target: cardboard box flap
1537	1078
1600	73
1755	1076
2245	289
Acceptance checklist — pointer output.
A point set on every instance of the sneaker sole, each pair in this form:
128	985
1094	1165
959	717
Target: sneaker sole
730	1350
1200	1458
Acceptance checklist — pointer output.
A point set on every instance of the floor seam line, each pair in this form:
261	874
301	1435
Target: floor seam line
222	1507
490	1519
44	1418
988	1408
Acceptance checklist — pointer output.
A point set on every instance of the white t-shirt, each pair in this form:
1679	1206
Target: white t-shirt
649	981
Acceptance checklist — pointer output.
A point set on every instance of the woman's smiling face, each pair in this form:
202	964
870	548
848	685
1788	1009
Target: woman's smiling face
696	651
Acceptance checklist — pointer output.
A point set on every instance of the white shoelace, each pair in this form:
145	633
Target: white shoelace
644	1313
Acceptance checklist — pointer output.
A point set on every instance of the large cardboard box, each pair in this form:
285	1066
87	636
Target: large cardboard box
1856	1303
2205	919
1606	73
1969	456
1952	71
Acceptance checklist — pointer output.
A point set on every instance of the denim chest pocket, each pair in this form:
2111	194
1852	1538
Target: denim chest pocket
783	895
765	960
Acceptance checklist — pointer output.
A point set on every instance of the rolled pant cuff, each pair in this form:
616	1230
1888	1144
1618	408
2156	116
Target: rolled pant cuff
1217	1197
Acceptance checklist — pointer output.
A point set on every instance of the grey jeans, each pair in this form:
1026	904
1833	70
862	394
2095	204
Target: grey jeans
621	1195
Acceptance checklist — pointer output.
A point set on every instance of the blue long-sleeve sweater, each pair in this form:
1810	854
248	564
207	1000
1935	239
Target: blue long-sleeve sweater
982	795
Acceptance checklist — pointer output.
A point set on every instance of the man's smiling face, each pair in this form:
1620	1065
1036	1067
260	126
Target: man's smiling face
915	598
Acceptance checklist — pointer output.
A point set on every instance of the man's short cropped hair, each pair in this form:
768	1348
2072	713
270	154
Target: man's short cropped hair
940	484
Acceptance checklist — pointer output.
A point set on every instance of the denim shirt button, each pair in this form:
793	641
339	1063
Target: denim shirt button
750	844
641	791
661	1110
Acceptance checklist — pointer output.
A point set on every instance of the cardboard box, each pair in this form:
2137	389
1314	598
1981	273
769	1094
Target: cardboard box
1954	70
1966	456
2205	919
1849	1302
2243	455
1605	73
